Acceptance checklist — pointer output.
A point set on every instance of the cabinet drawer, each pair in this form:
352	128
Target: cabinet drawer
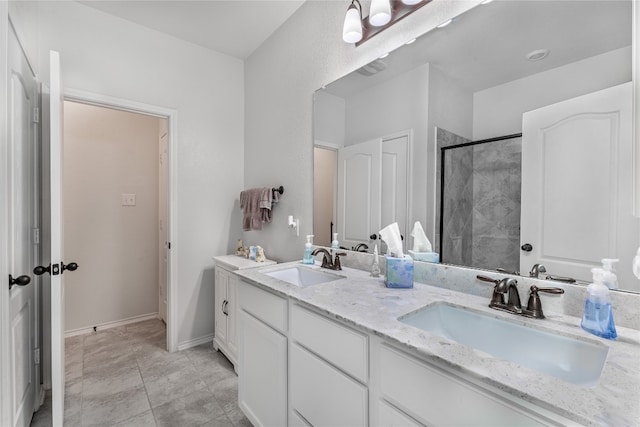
323	395
264	305
342	346
437	398
390	416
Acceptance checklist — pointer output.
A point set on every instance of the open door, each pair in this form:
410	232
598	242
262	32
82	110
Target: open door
57	282
53	232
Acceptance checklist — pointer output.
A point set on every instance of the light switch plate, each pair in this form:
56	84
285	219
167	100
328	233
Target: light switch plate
128	199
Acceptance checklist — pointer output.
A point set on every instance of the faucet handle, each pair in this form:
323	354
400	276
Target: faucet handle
336	261
497	298
534	306
487	279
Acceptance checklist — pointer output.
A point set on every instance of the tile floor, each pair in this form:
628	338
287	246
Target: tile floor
125	377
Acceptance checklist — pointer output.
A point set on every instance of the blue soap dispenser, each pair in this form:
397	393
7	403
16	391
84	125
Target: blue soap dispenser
307	258
598	314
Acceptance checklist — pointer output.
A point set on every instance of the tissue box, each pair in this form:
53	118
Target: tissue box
399	272
425	256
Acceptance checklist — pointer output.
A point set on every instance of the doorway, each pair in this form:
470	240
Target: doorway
112	214
125	194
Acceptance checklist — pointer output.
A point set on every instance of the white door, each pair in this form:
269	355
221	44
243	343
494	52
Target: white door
163	236
394	197
22	94
577	185
358	204
52	217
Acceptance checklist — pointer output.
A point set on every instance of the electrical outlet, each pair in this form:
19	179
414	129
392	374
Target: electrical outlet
128	199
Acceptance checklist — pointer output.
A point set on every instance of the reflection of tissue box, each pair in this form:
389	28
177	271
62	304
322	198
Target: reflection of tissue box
399	272
425	256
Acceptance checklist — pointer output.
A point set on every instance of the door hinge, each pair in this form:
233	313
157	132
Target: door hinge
168	245
36	236
36	115
36	356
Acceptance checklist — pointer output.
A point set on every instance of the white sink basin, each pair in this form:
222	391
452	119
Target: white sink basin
303	276
572	360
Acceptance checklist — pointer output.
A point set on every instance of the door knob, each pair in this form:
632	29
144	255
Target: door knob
374	236
526	247
71	266
40	270
23	280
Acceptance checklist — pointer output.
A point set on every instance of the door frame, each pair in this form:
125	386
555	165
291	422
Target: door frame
5	386
171	116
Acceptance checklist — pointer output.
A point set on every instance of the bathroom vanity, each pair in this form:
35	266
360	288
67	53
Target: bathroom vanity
225	302
340	352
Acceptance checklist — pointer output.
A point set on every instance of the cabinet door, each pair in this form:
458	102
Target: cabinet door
262	376
434	397
232	309
220	295
322	394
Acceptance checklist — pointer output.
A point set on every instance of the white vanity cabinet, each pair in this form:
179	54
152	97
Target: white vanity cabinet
411	391
328	371
225	339
262	375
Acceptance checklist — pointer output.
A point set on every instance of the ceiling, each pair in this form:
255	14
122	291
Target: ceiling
233	27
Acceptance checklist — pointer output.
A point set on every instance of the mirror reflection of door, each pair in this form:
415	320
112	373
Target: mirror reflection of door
579	207
373	179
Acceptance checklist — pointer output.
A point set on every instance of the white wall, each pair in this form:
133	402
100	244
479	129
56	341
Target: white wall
498	110
107	153
106	55
329	117
281	76
395	105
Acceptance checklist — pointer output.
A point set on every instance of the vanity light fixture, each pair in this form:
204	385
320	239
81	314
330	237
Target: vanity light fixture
382	14
352	29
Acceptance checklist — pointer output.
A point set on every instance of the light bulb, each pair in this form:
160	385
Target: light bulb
352	29
411	2
380	13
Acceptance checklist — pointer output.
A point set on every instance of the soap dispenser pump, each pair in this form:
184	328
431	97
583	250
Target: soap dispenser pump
308	256
610	279
598	314
334	243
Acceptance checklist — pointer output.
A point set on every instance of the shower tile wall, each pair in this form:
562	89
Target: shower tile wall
496	204
481	226
457	199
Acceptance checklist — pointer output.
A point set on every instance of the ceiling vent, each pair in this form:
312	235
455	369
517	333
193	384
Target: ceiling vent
373	67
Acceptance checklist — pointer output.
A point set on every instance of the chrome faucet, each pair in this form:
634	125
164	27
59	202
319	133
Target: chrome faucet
536	270
327	262
360	247
539	268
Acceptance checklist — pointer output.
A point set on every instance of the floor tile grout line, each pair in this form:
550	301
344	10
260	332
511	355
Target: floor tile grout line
144	384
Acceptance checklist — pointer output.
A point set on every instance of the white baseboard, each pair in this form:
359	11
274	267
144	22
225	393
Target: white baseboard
195	342
109	325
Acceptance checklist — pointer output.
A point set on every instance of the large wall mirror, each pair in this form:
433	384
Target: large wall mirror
507	134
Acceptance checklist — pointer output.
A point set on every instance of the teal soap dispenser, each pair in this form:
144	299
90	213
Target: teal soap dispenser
598	314
307	258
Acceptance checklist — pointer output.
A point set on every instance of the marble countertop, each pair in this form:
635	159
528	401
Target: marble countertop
236	262
365	303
